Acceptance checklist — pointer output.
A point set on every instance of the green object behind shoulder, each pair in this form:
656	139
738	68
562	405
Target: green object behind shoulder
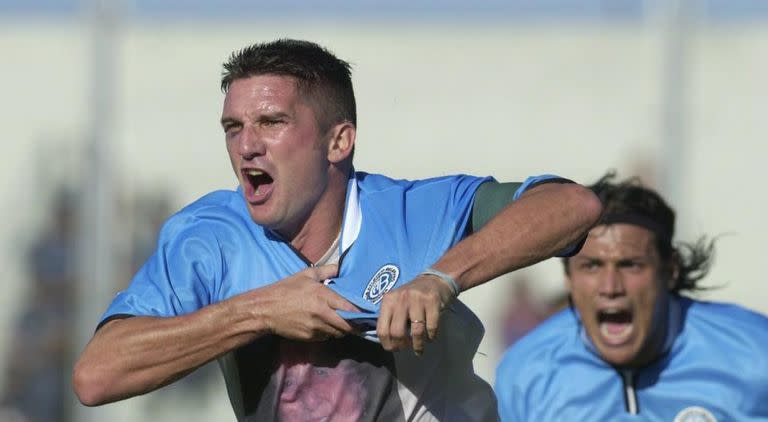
490	198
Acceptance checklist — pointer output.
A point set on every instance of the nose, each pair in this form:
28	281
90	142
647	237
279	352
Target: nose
611	284
249	144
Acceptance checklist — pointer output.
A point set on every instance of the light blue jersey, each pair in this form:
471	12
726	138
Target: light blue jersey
212	250
392	230
715	368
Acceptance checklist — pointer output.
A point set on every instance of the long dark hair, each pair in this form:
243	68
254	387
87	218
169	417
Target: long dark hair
630	202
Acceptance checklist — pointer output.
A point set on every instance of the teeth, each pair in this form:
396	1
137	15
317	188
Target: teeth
254	173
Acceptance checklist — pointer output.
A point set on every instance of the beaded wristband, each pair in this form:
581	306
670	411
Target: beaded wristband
445	277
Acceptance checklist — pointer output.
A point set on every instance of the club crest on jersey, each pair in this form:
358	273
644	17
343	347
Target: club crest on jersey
695	414
381	283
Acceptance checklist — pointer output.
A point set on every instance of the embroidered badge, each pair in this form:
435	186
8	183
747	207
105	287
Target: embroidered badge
381	283
695	414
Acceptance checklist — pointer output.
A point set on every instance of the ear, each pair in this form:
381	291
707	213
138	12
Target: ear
342	142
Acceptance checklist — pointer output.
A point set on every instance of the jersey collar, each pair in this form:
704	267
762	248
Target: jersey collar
353	217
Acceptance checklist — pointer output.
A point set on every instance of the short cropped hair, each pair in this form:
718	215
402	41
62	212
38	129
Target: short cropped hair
322	78
630	198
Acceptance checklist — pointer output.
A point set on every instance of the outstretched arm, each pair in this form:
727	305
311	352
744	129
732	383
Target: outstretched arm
133	356
544	221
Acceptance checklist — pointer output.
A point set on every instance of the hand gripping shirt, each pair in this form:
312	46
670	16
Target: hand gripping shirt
392	230
714	368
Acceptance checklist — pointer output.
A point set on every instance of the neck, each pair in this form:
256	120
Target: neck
315	236
655	345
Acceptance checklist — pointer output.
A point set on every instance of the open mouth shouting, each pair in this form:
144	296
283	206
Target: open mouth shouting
257	185
615	325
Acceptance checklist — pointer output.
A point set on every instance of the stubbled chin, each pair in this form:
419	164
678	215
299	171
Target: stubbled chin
615	334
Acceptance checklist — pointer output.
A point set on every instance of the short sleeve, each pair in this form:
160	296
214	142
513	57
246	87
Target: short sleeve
533	181
444	206
177	278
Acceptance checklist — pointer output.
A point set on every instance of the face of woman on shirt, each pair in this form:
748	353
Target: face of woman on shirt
619	289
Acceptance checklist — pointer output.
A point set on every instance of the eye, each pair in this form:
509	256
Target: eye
231	128
589	265
632	265
268	122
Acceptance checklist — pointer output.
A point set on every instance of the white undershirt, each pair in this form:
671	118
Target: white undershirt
331	256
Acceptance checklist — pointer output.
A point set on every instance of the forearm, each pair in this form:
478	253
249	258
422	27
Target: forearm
136	355
544	221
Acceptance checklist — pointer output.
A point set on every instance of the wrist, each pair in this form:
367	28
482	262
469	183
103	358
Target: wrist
443	277
248	313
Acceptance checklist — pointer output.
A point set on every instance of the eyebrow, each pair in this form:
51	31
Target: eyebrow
273	115
621	258
266	115
226	120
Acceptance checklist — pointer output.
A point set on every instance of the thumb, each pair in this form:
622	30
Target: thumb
338	302
324	272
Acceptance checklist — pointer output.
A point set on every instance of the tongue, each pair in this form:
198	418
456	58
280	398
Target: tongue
616	323
259	182
615	327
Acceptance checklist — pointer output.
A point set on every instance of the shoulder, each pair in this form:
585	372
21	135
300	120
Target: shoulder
213	210
375	183
530	372
723	331
537	352
728	340
216	202
727	316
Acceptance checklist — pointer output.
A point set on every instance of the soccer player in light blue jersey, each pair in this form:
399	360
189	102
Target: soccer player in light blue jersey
324	293
632	347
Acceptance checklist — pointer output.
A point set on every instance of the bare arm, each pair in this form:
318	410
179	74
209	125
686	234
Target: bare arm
133	356
544	221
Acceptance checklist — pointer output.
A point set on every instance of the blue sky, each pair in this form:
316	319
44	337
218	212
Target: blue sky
391	9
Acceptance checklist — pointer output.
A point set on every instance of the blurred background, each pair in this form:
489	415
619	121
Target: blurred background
109	123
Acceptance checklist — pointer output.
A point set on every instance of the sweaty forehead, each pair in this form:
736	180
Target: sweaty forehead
263	86
619	240
260	94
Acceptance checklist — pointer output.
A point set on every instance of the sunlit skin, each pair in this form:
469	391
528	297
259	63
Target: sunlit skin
283	160
620	290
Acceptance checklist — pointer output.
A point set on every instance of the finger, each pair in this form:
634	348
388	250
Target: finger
337	326
383	325
433	321
418	331
323	272
336	301
399	325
